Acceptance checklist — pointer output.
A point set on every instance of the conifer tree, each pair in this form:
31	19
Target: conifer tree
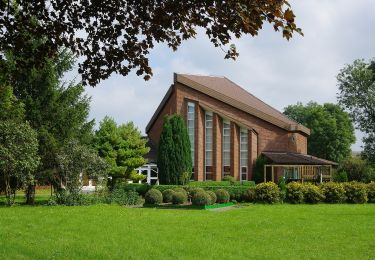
174	158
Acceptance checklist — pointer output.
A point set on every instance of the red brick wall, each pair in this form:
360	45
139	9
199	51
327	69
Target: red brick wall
263	136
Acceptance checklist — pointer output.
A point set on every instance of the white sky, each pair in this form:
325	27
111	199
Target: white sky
275	70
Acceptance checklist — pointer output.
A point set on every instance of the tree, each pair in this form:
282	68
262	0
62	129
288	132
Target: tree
356	84
122	147
18	156
75	159
174	155
10	107
56	109
357	169
332	131
117	36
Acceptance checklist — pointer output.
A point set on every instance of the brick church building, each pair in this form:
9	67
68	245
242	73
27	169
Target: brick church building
229	128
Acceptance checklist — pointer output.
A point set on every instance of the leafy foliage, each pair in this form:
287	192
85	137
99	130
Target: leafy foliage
174	155
201	198
267	192
122	147
153	196
222	196
355	192
356	84
18	156
179	198
371	192
213	197
75	159
168	195
258	173
295	192
333	192
357	169
312	193
117	36
332	131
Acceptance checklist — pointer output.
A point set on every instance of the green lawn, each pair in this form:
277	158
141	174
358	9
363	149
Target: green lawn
255	231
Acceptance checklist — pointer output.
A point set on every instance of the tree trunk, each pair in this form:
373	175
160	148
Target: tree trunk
30	194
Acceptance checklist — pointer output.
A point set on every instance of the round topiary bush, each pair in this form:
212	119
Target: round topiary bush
294	192
195	190
179	198
267	192
333	192
180	190
153	196
212	196
312	194
201	198
355	192
249	195
222	196
167	195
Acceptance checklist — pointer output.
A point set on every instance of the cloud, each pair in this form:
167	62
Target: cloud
278	71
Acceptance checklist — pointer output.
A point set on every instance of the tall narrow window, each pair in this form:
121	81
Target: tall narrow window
243	154
208	146
191	130
226	148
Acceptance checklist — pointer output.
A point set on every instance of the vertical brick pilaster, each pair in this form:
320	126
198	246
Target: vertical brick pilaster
199	144
234	151
217	147
253	152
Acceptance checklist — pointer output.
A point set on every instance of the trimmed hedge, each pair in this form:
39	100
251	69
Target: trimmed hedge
267	192
153	196
294	192
201	198
179	197
137	187
222	196
212	196
371	192
355	192
312	194
249	195
167	195
333	192
204	184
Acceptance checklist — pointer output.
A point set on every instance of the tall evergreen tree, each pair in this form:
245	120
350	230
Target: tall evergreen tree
174	158
56	109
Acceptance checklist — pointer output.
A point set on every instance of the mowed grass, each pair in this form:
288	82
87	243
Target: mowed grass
251	232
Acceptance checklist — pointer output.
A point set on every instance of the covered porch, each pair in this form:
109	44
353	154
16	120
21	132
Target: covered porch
296	167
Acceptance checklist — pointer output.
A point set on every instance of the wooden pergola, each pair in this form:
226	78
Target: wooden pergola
297	167
306	172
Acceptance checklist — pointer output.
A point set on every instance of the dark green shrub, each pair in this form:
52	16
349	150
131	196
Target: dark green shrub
127	198
230	179
267	192
212	196
355	192
333	192
180	189
140	188
371	192
179	198
357	169
340	176
167	195
222	196
258	172
235	192
153	196
282	187
201	198
249	195
192	191
312	194
204	184
166	187
294	192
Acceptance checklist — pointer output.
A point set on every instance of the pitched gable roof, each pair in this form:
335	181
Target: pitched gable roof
228	92
295	158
